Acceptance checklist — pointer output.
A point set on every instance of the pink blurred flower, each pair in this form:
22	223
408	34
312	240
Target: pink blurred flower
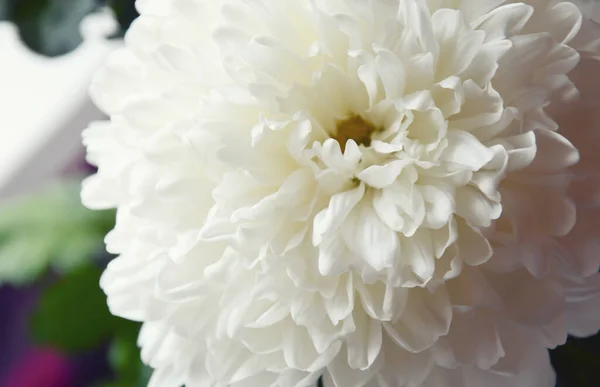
41	367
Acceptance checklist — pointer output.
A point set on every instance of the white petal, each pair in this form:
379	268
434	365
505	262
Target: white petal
417	253
365	344
475	208
369	238
466	151
553	151
417	18
391	72
426	318
335	214
473	248
341	304
440	205
381	176
505	20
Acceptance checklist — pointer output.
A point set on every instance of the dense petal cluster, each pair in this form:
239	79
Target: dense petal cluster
380	192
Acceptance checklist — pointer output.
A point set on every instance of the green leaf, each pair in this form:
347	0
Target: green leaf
72	314
125	359
142	380
23	258
124	355
51	27
144	376
111	383
51	228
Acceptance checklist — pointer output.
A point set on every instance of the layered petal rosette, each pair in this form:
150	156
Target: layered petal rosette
385	193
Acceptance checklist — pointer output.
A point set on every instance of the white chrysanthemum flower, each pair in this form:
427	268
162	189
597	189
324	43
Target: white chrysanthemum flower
382	192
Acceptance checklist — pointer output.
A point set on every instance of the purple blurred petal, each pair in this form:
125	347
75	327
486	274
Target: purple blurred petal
41	367
16	306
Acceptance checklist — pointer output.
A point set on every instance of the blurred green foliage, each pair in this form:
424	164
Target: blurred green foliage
51	229
72	313
124	357
51	27
72	316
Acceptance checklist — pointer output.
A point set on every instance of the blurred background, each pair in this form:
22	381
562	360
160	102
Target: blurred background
55	328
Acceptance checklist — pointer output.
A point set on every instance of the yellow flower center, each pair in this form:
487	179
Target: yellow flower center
354	128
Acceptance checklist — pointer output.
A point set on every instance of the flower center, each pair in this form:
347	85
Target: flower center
354	128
